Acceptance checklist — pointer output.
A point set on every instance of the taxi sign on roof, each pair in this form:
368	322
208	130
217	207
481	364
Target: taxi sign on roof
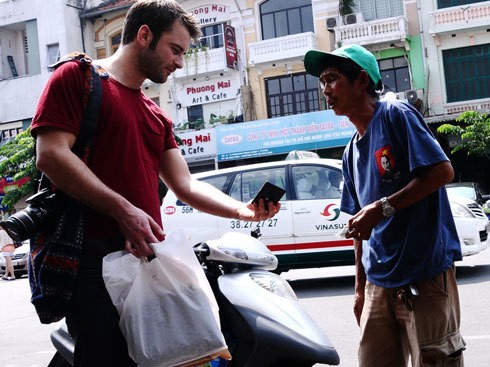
301	154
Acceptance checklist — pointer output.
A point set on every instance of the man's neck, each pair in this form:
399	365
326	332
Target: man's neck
122	66
361	118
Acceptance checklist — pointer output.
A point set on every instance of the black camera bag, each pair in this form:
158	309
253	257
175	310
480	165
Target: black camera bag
56	249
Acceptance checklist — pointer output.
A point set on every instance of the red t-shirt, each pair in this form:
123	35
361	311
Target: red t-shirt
132	133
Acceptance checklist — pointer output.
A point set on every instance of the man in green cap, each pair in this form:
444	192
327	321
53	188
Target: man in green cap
406	298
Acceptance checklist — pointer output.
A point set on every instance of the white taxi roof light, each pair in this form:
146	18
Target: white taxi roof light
301	154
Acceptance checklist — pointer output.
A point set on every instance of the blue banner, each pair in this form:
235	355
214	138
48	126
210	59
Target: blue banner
309	131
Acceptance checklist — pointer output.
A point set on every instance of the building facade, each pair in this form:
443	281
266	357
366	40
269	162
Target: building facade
248	66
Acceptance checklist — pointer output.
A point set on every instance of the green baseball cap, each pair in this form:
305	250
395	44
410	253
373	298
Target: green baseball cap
317	61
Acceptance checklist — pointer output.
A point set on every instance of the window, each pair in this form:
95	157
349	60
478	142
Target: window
292	94
380	9
53	53
247	184
221	182
467	72
115	42
441	4
395	74
285	17
316	182
212	37
195	116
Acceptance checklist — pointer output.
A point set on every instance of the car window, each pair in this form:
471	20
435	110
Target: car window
316	182
247	184
465	191
221	182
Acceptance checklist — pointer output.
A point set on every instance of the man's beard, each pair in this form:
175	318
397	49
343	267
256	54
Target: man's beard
150	65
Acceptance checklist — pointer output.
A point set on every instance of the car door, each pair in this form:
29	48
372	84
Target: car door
198	226
276	232
317	219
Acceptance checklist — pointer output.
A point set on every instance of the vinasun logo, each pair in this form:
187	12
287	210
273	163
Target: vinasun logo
331	212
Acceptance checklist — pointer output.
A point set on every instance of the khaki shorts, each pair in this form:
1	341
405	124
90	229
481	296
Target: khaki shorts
396	325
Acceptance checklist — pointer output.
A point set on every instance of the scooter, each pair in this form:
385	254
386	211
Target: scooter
262	321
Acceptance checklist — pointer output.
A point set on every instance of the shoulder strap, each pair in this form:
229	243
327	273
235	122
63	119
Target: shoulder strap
86	137
92	98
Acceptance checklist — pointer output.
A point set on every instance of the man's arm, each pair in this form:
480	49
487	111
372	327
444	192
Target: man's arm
205	197
68	173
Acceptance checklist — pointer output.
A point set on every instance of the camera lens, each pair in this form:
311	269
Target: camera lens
22	225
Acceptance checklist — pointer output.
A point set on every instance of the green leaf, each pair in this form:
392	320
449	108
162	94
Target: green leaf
17	160
474	132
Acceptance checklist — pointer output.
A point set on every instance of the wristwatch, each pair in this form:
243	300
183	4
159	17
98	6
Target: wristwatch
388	210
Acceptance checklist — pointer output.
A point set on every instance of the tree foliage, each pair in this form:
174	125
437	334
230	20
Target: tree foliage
347	7
474	133
17	161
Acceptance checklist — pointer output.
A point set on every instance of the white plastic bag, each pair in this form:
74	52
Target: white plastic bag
169	315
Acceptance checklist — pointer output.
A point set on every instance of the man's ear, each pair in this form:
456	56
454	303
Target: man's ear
144	36
364	78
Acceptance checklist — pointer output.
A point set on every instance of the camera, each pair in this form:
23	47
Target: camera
26	223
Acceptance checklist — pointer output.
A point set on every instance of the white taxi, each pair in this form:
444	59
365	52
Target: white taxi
305	231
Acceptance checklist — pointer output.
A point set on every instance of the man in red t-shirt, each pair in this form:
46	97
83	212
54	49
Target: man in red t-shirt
134	146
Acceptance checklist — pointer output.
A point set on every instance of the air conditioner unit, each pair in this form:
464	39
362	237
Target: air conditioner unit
353	18
415	98
331	23
413	95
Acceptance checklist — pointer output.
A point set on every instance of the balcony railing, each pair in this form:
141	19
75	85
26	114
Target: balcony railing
450	20
460	107
202	61
387	30
287	47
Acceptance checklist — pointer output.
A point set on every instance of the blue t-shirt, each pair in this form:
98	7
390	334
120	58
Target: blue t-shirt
418	242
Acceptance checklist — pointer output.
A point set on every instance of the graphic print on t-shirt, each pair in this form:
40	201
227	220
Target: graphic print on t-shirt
386	163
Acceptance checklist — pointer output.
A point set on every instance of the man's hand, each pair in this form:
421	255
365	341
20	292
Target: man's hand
139	230
256	213
361	224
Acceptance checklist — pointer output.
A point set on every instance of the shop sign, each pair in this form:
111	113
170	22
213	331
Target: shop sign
210	91
198	145
210	14
7	184
308	131
230	47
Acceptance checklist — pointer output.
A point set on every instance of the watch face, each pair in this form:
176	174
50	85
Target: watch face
388	211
